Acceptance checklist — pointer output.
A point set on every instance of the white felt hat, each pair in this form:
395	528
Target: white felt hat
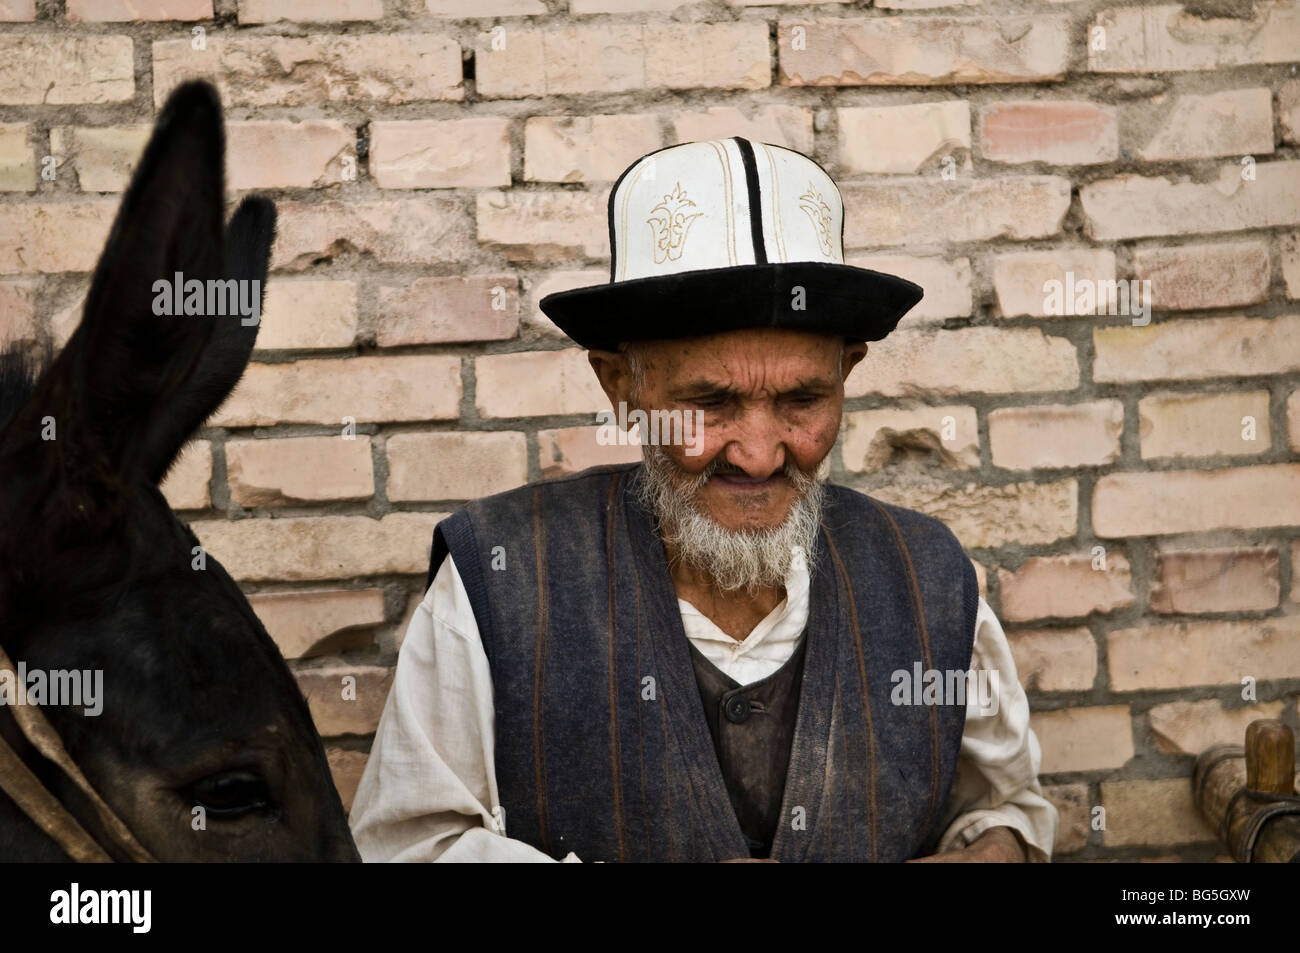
717	236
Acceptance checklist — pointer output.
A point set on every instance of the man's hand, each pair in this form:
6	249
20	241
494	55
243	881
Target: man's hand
997	845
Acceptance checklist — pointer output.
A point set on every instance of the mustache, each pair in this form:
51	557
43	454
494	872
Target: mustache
790	470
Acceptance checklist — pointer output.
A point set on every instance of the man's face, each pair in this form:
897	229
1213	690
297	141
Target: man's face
769	398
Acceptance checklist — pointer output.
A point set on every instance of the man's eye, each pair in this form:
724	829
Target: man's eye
805	400
230	794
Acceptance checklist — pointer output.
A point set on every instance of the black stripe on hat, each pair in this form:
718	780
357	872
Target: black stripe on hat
755	200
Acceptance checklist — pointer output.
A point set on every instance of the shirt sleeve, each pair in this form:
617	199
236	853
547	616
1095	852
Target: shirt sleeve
997	770
429	792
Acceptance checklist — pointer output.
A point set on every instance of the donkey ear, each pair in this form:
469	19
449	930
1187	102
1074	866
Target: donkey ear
246	257
125	368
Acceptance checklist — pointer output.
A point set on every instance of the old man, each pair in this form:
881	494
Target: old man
714	654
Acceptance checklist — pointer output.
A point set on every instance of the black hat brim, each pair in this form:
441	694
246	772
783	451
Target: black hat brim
858	303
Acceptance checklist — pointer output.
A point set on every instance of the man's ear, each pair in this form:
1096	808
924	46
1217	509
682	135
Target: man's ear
614	373
854	352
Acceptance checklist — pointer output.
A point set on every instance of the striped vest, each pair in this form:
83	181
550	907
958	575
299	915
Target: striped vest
602	744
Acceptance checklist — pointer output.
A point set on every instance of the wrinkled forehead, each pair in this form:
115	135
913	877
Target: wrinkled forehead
744	359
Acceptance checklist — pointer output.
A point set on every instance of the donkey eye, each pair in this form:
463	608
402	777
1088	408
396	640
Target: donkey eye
230	794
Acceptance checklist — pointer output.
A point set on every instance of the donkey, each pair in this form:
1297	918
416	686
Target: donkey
204	749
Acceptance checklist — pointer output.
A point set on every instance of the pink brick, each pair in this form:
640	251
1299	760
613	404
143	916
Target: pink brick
904	139
544	226
307	623
944	436
587	148
125	11
448	310
308	314
1059	132
455	466
440	153
537	384
1056	435
1021	279
947	284
417	231
1191	277
271	155
1191	501
1197	349
14	11
1064	587
1216	580
789	126
186	485
538	323
1225	123
572	449
309	11
1204	425
17	312
1169	37
1159	812
922	50
1084	739
54	236
39	69
335	713
1187	654
299	470
1054	660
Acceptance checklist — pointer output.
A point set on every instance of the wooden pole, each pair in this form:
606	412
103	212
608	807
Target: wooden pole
1248	793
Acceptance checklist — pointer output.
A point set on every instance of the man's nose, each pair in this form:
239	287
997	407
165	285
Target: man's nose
757	445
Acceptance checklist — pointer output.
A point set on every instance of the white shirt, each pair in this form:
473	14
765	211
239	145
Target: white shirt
429	790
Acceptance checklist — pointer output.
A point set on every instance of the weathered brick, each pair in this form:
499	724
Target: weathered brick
1197	349
304	548
455	466
572	449
125	11
1152	813
53	236
1192	501
537	384
346	699
310	622
921	210
587	148
1064	587
903	139
923	51
308	314
928	362
186	486
440	153
1291	263
553	282
1190	277
1191	727
17	312
1295	585
1132	206
286	155
1020	279
1203	653
463	9
1216	580
1293	420
947	284
948	436
1074	816
1171	37
1059	132
1054	660
346	768
1231	122
325	391
980	516
47	70
299	470
417	231
789	126
309	11
622	57
1204	425
1288	110
448	310
579	7
299	71
103	157
15	11
1084	739
544	226
17	159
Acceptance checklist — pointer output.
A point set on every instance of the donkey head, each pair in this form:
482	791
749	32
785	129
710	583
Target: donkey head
199	710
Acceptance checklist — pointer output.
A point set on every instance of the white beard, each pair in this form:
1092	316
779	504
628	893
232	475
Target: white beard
733	559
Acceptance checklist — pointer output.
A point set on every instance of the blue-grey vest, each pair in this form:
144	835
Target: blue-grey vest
602	745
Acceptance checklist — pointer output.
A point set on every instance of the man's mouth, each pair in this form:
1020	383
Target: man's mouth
743	483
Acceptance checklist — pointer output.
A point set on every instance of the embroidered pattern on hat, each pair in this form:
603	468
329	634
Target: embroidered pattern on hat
820	214
671	227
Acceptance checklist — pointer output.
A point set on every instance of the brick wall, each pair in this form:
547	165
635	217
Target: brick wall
1130	491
